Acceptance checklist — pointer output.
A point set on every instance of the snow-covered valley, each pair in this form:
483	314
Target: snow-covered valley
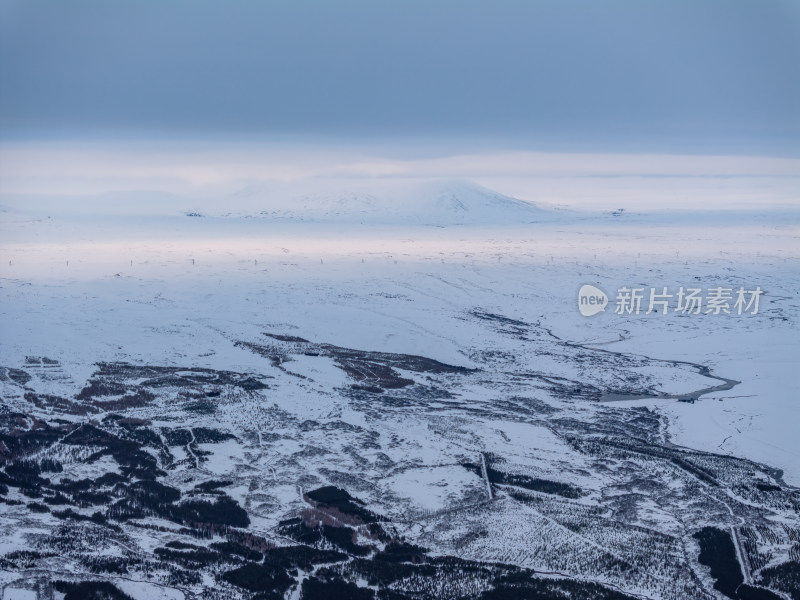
402	403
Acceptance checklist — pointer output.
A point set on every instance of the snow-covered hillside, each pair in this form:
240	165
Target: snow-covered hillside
385	202
395	202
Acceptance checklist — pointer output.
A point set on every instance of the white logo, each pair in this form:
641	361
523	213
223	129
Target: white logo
591	300
662	300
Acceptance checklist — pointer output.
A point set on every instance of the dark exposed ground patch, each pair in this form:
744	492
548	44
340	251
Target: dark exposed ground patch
18	376
111	373
336	498
785	577
90	590
259	578
718	553
536	484
372	370
334	589
59	404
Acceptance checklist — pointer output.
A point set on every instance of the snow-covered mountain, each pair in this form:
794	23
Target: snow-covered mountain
387	202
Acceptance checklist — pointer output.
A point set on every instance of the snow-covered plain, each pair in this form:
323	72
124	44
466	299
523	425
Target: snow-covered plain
158	280
464	276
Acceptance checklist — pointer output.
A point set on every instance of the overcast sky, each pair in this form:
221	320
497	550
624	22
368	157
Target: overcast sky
685	76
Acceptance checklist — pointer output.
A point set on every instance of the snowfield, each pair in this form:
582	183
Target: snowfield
418	348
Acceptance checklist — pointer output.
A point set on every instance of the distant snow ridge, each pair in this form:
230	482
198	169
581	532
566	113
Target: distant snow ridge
425	203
